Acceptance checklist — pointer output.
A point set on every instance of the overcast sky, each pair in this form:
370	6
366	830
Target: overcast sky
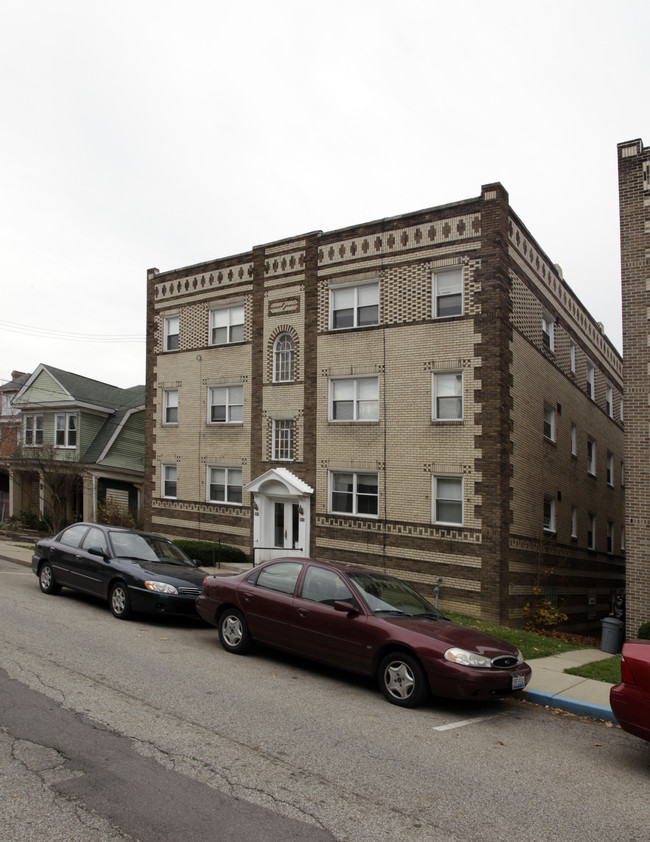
156	133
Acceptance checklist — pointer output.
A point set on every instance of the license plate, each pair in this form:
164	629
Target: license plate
518	682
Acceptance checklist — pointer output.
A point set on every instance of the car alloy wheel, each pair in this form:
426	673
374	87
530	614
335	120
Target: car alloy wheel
233	632
47	581
119	601
402	680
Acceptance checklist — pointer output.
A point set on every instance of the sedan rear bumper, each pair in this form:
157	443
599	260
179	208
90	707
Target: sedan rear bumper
631	708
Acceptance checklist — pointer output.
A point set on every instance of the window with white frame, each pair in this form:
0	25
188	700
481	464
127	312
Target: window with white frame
171	332
622	474
610	537
591	457
169	481
574	522
225	404
622	539
170	406
65	430
282	439
354	399
591	374
448	500
609	400
549	513
224	485
591	532
549	422
448	293
572	358
620	410
448	396
283	359
227	325
574	440
33	430
610	469
354	493
354	306
548	330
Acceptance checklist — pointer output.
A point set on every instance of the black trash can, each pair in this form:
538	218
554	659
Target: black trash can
612	636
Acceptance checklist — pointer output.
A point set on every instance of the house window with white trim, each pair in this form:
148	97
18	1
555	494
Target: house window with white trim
591	374
610	470
549	513
610	537
282	439
572	358
549	422
591	457
591	532
169	481
283	359
609	400
448	396
354	399
225	404
227	325
171	333
448	293
170	406
65	430
574	522
354	493
574	440
354	306
622	539
448	500
224	485
33	430
548	330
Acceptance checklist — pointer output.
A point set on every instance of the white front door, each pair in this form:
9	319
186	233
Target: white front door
281	527
286	525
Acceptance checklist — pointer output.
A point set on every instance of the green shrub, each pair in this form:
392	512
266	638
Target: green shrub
644	632
210	554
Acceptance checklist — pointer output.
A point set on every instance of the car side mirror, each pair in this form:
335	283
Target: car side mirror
97	551
348	607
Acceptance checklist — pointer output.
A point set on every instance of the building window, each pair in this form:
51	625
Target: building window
65	434
610	537
448	293
549	514
549	422
448	396
226	405
591	532
548	330
354	306
169	481
227	325
620	410
224	485
354	399
574	440
354	493
609	400
282	440
622	474
283	359
590	381
33	430
574	522
610	469
591	457
170	406
572	358
448	500
172	327
622	539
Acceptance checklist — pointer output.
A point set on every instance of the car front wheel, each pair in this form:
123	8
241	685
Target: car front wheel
47	581
233	632
402	680
120	601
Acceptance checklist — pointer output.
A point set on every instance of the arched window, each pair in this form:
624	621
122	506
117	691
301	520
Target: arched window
283	359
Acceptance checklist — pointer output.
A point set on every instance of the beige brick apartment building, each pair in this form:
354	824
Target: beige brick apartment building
422	394
634	201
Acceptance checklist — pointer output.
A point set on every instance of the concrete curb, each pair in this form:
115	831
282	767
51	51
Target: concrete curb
570	705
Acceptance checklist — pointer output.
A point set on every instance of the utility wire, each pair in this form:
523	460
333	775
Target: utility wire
31	330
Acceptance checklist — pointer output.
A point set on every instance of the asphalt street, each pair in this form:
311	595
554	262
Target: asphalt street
149	730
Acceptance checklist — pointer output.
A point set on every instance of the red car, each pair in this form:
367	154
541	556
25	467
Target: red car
362	621
630	700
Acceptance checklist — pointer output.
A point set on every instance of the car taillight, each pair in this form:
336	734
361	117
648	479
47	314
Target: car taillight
626	673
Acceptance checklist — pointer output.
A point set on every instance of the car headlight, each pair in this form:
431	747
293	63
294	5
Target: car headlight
467	659
160	587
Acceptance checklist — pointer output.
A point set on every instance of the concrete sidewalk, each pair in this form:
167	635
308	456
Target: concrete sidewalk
549	686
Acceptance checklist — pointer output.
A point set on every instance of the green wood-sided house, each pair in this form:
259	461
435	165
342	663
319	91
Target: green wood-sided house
81	448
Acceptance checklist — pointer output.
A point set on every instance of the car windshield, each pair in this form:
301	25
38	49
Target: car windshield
386	595
148	548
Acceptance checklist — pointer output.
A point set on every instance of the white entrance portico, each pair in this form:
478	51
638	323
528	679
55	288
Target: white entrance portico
281	510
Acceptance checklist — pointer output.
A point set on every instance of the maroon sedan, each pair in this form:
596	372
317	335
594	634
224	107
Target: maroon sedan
362	621
630	700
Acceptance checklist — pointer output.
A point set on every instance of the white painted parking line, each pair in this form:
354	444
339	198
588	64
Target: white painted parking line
464	722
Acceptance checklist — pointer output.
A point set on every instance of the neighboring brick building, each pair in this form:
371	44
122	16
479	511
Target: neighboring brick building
422	394
634	202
